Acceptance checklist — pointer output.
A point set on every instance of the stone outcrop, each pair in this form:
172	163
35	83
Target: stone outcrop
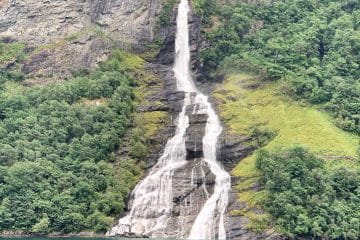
233	148
72	35
132	22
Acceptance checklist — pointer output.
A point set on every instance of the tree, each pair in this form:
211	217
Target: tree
42	226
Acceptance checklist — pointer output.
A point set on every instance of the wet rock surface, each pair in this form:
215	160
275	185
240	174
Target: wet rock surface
171	101
192	185
195	133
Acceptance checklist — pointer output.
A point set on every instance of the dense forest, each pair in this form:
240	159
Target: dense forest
312	45
57	149
306	199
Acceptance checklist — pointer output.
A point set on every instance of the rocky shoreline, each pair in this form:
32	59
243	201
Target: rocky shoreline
11	234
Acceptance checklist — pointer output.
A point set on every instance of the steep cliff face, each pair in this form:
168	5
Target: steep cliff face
39	22
72	35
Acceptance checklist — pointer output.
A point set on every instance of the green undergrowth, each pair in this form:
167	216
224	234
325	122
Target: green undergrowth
10	51
306	199
69	138
311	45
248	105
145	124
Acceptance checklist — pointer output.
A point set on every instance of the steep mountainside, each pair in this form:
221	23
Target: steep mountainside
291	90
39	22
73	35
89	100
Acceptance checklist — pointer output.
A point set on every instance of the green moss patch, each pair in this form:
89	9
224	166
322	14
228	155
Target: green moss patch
10	51
246	104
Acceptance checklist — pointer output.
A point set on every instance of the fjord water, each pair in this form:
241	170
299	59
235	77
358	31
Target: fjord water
152	199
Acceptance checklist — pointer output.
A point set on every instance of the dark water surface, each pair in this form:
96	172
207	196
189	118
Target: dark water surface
59	238
68	238
77	238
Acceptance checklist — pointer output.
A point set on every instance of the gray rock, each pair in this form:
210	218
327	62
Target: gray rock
192	184
194	134
131	24
233	149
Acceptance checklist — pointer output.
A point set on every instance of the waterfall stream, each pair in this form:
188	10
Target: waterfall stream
152	199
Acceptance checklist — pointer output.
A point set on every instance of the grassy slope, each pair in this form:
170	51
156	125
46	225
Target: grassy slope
246	103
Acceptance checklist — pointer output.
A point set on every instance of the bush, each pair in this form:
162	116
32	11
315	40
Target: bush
138	150
42	226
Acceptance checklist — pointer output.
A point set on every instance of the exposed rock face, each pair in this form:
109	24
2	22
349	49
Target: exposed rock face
192	185
77	33
236	225
166	55
195	133
64	59
232	149
132	22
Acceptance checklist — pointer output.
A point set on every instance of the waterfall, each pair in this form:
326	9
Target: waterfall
211	216
152	199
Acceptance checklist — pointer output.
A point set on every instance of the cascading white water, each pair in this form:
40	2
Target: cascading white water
152	203
205	225
152	197
211	216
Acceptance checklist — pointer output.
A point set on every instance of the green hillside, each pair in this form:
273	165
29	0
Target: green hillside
248	105
292	82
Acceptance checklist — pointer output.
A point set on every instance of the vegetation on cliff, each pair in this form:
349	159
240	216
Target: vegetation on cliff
166	13
300	58
313	45
249	106
58	163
